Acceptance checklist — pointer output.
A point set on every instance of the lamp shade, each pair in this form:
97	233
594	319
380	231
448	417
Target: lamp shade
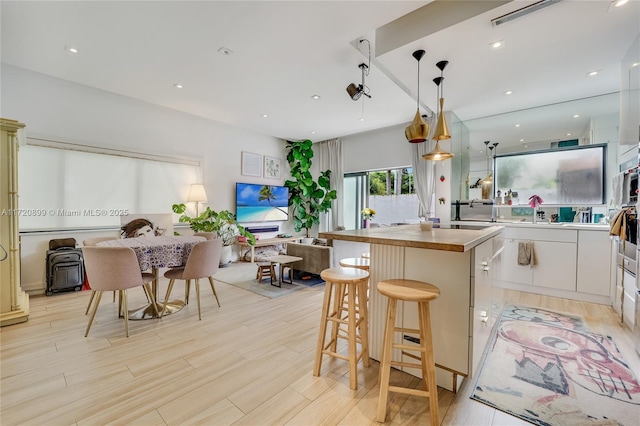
437	154
418	130
354	91
197	193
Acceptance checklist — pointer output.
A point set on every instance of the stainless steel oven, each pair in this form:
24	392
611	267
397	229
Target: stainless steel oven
629	247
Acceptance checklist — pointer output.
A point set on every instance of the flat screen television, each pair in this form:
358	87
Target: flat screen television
261	203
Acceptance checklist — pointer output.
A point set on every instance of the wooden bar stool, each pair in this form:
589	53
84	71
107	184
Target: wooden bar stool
355	318
359	263
409	291
355	262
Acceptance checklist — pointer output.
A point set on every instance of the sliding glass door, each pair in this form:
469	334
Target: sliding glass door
356	195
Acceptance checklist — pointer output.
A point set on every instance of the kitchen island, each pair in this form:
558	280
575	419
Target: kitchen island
459	261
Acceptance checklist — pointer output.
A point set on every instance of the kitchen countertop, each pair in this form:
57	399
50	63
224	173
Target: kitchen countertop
541	224
457	240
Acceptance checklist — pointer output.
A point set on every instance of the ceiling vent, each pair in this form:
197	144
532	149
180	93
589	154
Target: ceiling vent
523	11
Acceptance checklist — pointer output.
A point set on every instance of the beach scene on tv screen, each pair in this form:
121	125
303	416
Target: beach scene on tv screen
260	203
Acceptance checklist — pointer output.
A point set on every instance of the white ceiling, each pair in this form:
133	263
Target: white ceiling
285	52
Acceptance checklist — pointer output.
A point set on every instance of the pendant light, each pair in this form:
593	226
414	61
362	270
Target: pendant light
418	130
442	130
488	150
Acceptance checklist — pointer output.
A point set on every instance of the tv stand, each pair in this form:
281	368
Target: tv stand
268	242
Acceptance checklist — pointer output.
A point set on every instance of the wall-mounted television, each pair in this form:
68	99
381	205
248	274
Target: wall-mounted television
261	203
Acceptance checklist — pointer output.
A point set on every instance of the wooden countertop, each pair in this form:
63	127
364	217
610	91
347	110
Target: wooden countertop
458	240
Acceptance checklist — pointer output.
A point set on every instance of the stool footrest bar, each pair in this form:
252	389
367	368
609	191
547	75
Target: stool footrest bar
416	392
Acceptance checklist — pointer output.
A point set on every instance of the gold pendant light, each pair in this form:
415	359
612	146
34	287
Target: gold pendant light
442	130
418	130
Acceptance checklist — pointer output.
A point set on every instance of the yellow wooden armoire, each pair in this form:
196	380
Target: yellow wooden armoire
14	303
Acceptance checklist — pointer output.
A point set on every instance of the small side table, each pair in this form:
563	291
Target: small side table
284	261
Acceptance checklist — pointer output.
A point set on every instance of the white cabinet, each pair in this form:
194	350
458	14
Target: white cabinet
617	295
555	265
629	305
594	248
481	283
573	263
555	259
509	270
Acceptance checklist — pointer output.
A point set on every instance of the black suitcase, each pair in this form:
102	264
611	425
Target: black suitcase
65	266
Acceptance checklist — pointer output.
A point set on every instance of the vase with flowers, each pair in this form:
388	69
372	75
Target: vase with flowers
367	214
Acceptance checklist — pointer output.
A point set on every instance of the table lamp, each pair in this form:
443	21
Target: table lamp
197	195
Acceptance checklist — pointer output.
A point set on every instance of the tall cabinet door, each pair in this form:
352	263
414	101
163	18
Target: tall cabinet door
594	248
14	303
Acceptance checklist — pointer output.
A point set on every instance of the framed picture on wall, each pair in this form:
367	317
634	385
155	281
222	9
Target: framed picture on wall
272	167
251	164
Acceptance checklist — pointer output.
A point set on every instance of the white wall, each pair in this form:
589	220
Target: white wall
67	112
380	149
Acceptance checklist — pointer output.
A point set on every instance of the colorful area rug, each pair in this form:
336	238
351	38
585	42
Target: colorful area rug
549	369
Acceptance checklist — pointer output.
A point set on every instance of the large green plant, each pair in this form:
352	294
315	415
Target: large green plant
223	223
307	197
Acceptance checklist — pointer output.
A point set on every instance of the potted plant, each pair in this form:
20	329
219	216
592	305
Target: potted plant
367	214
308	197
223	223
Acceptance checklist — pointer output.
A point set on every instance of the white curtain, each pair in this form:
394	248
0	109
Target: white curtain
330	158
424	173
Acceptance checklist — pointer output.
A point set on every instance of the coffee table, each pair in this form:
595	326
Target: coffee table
284	261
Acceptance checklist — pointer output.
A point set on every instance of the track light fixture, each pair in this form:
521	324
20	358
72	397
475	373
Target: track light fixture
442	130
418	130
356	91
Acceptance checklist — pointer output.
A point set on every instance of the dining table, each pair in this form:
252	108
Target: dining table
153	253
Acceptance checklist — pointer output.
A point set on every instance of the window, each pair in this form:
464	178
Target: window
391	182
572	175
391	194
69	188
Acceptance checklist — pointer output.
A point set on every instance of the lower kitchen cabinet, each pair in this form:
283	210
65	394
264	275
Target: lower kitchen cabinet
555	265
569	262
594	266
509	270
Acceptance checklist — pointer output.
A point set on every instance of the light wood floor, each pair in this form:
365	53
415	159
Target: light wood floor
246	363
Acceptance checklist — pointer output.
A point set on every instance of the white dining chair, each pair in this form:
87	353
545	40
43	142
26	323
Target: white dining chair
203	262
115	269
92	242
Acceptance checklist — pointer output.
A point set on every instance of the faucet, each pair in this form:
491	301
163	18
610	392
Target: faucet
473	201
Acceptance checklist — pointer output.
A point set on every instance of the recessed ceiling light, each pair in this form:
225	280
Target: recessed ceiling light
361	118
316	97
264	115
521	140
517	125
620	3
525	145
592	73
497	44
313	132
568	134
178	86
508	92
225	51
635	64
576	115
71	49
